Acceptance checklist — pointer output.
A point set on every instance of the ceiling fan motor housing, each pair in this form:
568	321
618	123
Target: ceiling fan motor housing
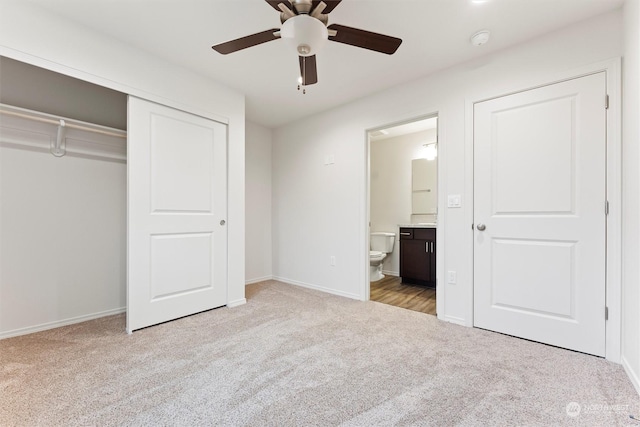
306	34
302	6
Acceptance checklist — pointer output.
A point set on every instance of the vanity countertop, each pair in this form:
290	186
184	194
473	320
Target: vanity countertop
419	225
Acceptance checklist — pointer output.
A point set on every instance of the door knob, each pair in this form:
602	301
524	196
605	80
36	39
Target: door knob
223	222
481	227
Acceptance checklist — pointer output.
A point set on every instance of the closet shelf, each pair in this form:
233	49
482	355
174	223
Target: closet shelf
33	130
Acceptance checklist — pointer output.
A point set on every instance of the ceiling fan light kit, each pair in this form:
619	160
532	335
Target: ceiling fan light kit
307	35
304	27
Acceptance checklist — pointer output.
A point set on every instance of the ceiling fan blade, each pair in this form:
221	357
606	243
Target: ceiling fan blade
331	4
245	42
308	70
274	3
365	39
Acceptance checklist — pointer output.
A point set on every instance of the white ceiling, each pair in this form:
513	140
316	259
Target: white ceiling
435	32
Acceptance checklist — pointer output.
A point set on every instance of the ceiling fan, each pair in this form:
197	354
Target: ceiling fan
304	27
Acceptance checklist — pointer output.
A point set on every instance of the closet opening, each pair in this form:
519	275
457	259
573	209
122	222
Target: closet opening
63	199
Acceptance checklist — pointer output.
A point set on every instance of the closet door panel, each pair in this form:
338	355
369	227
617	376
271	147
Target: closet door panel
178	146
177	197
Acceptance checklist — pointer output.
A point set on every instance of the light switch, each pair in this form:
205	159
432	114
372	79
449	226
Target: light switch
451	277
454	201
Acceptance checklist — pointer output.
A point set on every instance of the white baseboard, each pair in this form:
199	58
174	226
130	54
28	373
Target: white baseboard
237	302
633	376
59	323
258	280
457	320
317	288
391	273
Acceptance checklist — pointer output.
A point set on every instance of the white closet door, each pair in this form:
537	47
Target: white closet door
539	198
177	207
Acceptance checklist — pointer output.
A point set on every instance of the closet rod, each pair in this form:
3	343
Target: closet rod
69	125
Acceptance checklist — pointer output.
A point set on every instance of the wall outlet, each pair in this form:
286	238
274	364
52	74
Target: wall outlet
332	261
451	277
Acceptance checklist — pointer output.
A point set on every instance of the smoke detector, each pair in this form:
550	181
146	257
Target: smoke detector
480	38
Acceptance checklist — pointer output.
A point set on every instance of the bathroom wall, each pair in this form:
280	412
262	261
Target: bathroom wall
390	170
258	260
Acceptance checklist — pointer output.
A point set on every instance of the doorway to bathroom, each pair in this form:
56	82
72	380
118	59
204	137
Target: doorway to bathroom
403	214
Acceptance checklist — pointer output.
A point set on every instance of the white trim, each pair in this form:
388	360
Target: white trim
441	218
633	376
36	131
365	289
391	273
453	319
612	68
258	280
317	288
237	303
59	323
468	197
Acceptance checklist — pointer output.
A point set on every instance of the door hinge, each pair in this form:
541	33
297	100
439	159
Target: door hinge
606	313
606	207
606	102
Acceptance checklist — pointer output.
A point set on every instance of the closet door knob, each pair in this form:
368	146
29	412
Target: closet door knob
223	222
481	227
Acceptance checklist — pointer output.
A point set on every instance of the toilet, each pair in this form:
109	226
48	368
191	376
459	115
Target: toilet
381	244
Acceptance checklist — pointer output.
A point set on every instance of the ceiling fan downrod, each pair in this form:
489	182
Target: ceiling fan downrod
303	78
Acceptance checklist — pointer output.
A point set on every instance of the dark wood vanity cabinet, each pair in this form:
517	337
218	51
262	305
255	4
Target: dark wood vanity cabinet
418	255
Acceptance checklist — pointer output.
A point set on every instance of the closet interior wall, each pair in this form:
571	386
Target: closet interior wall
62	218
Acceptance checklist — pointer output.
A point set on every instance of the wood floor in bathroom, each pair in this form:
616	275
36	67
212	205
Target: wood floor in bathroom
392	291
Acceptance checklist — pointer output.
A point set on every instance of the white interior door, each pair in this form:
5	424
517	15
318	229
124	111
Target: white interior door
177	205
539	212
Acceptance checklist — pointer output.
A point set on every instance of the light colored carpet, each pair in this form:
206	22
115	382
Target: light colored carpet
296	357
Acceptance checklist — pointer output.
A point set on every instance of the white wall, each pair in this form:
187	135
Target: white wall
258	265
319	210
631	187
69	48
63	239
390	164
